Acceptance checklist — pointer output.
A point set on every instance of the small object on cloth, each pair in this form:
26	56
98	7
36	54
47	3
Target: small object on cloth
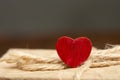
73	52
38	64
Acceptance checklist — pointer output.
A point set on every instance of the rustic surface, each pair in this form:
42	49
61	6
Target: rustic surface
9	71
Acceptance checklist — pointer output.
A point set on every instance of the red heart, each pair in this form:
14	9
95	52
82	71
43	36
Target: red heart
73	52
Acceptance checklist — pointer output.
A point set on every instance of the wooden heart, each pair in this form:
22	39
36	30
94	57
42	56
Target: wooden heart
73	52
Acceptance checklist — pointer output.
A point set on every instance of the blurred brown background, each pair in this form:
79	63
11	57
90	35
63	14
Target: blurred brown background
38	23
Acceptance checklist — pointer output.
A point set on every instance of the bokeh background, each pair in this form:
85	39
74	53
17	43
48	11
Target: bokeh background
38	23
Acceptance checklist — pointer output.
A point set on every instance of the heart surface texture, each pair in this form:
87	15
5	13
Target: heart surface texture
73	52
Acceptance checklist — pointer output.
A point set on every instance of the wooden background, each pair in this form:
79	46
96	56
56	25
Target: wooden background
98	41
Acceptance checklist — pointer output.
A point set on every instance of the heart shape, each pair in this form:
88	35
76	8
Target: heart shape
73	52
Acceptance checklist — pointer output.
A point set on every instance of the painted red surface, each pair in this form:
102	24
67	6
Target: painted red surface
73	52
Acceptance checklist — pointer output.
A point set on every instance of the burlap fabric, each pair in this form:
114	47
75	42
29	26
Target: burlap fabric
39	64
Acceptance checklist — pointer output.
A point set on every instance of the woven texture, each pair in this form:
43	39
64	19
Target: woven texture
38	64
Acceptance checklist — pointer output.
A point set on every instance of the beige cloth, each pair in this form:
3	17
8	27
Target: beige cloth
10	70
